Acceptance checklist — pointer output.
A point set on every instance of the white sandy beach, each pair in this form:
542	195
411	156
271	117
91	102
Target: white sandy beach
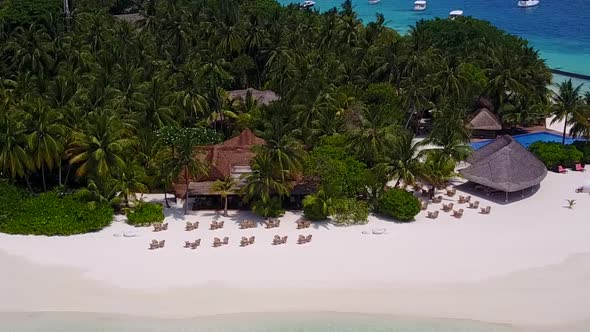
528	264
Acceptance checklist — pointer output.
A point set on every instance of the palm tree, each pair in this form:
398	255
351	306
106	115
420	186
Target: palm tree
449	134
45	135
186	163
101	146
14	159
224	187
129	181
403	161
568	104
265	185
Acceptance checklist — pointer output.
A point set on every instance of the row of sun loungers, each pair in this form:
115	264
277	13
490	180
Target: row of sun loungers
160	227
216	225
191	226
244	242
458	213
301	224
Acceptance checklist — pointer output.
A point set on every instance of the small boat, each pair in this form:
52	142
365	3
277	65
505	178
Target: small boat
455	13
528	3
419	5
374	2
307	4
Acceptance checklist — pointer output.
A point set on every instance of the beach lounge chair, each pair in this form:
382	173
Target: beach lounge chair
486	210
437	199
190	226
448	207
216	242
308	238
244	241
251	239
432	215
154	245
276	240
425	205
458	214
561	169
451	192
157	227
580	168
161	244
284	239
220	224
165	227
196	244
225	240
474	205
301	239
214	225
187	244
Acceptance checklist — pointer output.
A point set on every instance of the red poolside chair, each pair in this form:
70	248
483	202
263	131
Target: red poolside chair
560	169
580	168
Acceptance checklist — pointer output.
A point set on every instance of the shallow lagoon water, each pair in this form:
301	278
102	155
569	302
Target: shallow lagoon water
317	322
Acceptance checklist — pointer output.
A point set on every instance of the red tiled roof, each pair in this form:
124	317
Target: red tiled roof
236	151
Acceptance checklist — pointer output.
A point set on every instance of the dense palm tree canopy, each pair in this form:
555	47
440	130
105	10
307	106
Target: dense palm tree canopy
102	102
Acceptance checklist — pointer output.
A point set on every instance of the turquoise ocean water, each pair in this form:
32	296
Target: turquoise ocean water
559	29
318	322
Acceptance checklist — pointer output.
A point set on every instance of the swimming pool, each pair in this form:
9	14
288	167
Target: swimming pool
527	139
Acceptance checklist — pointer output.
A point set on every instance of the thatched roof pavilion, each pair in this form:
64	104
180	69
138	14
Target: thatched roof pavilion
484	119
504	165
262	97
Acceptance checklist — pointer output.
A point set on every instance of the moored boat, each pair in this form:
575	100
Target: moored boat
307	4
528	3
419	5
455	13
374	2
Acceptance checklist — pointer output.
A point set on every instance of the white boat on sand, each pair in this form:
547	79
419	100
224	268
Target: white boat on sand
528	3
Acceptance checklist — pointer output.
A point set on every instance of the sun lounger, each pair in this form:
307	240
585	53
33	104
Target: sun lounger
225	240
301	239
214	225
432	215
580	168
425	205
436	200
161	244
284	239
157	227
165	226
448	207
474	205
154	245
308	238
451	192
561	169
220	224
276	240
187	244
216	242
486	210
196	244
244	241
458	214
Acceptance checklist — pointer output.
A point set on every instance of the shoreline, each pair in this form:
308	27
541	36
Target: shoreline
527	264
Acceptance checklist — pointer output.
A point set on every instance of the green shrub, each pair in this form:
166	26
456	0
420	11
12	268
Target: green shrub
272	208
349	211
50	214
145	214
317	206
399	204
583	147
553	154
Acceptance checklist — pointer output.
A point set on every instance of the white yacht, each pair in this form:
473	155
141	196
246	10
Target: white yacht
419	5
374	2
528	3
455	13
307	4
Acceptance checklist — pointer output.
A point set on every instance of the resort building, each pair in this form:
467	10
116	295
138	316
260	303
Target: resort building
504	165
484	124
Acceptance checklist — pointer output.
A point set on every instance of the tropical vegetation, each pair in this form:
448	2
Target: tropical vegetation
116	105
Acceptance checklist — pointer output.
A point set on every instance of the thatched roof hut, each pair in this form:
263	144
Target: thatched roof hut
504	165
262	97
484	119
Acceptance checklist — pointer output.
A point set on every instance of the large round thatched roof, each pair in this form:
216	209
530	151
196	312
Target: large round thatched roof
504	165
